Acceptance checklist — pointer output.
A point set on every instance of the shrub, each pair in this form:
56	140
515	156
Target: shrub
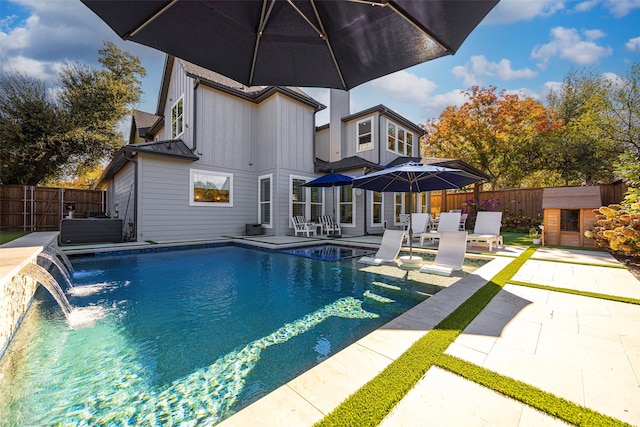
617	227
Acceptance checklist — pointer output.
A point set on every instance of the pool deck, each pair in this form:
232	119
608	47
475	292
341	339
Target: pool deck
583	349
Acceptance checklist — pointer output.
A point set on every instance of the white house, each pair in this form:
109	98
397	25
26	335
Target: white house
218	156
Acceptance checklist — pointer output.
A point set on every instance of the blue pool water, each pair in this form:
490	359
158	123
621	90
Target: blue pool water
328	252
189	335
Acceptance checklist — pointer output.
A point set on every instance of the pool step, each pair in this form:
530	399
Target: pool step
377	298
389	289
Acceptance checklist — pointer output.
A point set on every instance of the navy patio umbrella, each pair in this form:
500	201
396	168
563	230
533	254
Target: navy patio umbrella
415	178
310	43
332	179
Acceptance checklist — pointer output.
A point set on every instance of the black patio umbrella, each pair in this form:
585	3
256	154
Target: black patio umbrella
332	179
310	43
415	177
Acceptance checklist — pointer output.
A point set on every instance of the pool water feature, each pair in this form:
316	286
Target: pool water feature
328	252
189	335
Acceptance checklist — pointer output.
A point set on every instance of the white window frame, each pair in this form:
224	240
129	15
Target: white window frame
192	175
307	196
369	146
372	204
399	128
353	208
261	202
402	206
178	119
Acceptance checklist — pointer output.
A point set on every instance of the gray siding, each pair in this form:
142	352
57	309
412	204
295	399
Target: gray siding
322	144
166	215
124	196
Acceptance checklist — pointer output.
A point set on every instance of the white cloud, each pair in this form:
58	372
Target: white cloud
621	8
567	43
585	6
478	66
404	86
510	11
633	45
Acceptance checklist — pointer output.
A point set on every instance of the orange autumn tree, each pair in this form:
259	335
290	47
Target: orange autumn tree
500	133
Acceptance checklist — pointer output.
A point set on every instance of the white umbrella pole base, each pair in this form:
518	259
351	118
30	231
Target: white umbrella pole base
411	261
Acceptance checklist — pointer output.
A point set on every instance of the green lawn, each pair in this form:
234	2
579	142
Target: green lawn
7	236
519	239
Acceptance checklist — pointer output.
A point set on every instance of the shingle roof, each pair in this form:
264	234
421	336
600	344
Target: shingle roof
353	162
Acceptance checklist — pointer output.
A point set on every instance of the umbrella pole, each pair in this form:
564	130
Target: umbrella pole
410	228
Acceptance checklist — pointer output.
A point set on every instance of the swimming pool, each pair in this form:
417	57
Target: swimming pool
328	252
191	334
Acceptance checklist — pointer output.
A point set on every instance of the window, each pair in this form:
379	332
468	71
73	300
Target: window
264	200
398	207
377	207
316	202
306	201
399	140
209	188
177	118
418	204
569	220
365	134
346	205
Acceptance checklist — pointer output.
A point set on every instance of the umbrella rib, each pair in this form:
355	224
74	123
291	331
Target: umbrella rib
264	16
322	33
149	20
417	26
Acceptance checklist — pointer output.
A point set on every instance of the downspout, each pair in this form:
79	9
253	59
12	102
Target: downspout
135	187
194	135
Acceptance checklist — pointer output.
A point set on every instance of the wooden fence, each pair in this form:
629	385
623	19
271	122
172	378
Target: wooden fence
525	202
27	208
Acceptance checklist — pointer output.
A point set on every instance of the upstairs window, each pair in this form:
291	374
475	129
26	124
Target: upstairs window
177	118
400	140
364	128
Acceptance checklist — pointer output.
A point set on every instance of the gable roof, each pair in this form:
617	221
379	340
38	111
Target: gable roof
142	123
214	80
174	148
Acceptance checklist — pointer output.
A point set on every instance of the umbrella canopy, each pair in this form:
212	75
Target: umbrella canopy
415	177
332	179
312	43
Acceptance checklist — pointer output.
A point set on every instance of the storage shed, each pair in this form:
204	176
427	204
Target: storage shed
568	213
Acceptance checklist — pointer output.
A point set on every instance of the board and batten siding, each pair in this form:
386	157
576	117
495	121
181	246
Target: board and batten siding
350	139
166	215
225	132
322	144
180	85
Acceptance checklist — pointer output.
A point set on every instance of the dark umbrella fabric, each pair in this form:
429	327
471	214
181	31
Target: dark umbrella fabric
415	178
310	43
332	179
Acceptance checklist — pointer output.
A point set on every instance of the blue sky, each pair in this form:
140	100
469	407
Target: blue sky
524	46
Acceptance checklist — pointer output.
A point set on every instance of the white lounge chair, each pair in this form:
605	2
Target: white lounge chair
449	221
389	248
419	224
301	226
487	229
450	257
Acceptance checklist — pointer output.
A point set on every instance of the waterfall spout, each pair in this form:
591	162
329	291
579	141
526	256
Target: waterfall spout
65	259
54	260
43	277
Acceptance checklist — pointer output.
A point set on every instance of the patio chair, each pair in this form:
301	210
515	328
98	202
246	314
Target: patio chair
329	226
389	248
419	224
450	257
463	221
449	221
300	225
487	229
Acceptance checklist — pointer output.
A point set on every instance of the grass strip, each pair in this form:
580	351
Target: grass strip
373	401
590	264
576	292
530	395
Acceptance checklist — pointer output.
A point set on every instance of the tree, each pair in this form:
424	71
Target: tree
581	152
499	133
45	136
621	124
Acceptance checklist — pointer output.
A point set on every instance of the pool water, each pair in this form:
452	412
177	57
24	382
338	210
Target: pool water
328	252
190	336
